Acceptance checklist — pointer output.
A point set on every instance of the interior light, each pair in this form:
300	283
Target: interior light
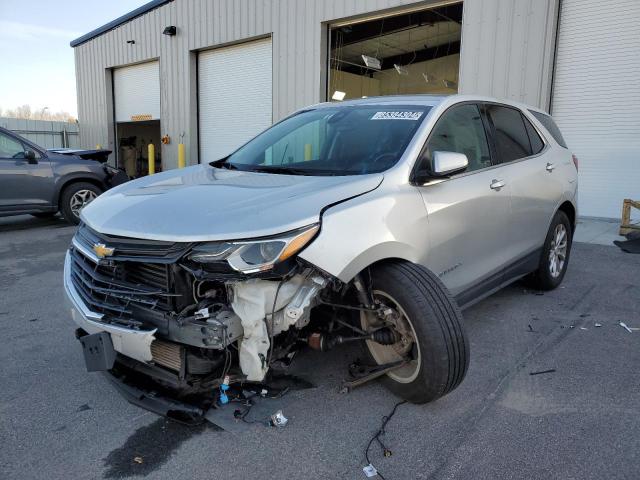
371	62
338	95
401	69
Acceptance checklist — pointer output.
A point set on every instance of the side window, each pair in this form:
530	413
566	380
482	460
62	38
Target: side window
511	138
550	124
10	148
460	130
534	137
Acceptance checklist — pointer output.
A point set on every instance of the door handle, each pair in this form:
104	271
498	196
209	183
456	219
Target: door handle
550	167
497	184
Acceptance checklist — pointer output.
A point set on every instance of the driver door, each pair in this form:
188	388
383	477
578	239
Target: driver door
467	212
23	185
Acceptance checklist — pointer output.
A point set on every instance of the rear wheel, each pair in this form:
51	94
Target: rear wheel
75	197
555	254
428	330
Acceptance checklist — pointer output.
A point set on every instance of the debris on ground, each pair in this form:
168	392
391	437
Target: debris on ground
551	370
138	460
279	420
624	325
631	244
597	325
584	328
369	470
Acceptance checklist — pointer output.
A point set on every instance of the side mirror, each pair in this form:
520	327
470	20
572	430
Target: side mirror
30	155
448	163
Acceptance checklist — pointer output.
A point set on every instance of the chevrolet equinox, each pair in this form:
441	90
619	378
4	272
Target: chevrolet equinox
372	221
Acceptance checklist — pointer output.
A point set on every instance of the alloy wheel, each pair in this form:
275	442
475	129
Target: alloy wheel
81	199
558	250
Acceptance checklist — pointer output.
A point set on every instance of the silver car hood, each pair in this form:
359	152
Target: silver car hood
203	203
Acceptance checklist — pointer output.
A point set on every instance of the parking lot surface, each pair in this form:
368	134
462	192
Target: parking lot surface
580	420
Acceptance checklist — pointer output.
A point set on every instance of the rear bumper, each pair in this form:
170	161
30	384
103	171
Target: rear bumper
135	344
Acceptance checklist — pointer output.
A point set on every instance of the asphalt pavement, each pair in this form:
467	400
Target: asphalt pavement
580	420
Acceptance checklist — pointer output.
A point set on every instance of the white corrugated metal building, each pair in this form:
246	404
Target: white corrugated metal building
213	73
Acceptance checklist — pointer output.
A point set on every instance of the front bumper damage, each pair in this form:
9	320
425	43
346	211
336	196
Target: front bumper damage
132	343
258	311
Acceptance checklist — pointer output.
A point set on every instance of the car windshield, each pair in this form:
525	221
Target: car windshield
346	140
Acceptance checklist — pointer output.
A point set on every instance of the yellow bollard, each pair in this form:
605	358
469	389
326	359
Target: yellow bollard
181	156
308	151
152	159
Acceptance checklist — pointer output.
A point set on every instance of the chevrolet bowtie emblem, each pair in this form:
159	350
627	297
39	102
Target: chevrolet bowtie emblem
102	250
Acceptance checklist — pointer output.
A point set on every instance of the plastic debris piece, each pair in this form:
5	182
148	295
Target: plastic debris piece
370	471
584	328
263	392
138	460
597	325
624	325
279	420
551	370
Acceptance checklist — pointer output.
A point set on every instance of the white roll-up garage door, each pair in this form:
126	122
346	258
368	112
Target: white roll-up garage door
234	95
596	99
137	92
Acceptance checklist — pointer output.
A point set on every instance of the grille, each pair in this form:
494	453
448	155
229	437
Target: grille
132	248
118	288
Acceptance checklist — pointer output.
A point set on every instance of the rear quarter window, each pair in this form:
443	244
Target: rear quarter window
550	125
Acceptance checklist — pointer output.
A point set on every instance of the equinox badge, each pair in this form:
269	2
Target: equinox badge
102	250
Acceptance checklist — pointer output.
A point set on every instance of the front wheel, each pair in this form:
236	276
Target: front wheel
75	197
428	330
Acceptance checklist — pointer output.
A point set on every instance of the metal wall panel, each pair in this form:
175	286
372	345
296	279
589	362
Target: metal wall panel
44	133
524	29
596	100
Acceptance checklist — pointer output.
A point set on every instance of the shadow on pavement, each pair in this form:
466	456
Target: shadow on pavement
27	222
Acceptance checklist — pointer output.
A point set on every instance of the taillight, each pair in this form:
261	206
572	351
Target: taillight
575	161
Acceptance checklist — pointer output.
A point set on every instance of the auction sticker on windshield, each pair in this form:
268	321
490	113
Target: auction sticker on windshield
396	116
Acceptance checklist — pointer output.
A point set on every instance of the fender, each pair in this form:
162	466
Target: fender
378	225
87	176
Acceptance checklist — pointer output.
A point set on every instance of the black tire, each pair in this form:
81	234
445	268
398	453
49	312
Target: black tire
44	214
67	196
439	331
542	278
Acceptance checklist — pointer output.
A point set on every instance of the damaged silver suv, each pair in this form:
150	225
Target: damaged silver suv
371	221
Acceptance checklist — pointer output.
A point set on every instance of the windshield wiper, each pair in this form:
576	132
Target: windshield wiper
282	170
223	163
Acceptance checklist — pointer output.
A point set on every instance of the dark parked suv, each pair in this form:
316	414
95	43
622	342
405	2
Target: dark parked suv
42	182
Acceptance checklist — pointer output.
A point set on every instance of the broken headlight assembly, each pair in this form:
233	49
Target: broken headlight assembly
254	256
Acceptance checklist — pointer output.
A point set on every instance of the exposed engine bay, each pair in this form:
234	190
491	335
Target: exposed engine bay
202	325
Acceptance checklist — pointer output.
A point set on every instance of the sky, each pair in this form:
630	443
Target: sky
36	61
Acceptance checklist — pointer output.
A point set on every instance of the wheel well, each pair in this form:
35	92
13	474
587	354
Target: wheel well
570	211
68	183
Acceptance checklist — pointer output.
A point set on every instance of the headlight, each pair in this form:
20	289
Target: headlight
254	256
